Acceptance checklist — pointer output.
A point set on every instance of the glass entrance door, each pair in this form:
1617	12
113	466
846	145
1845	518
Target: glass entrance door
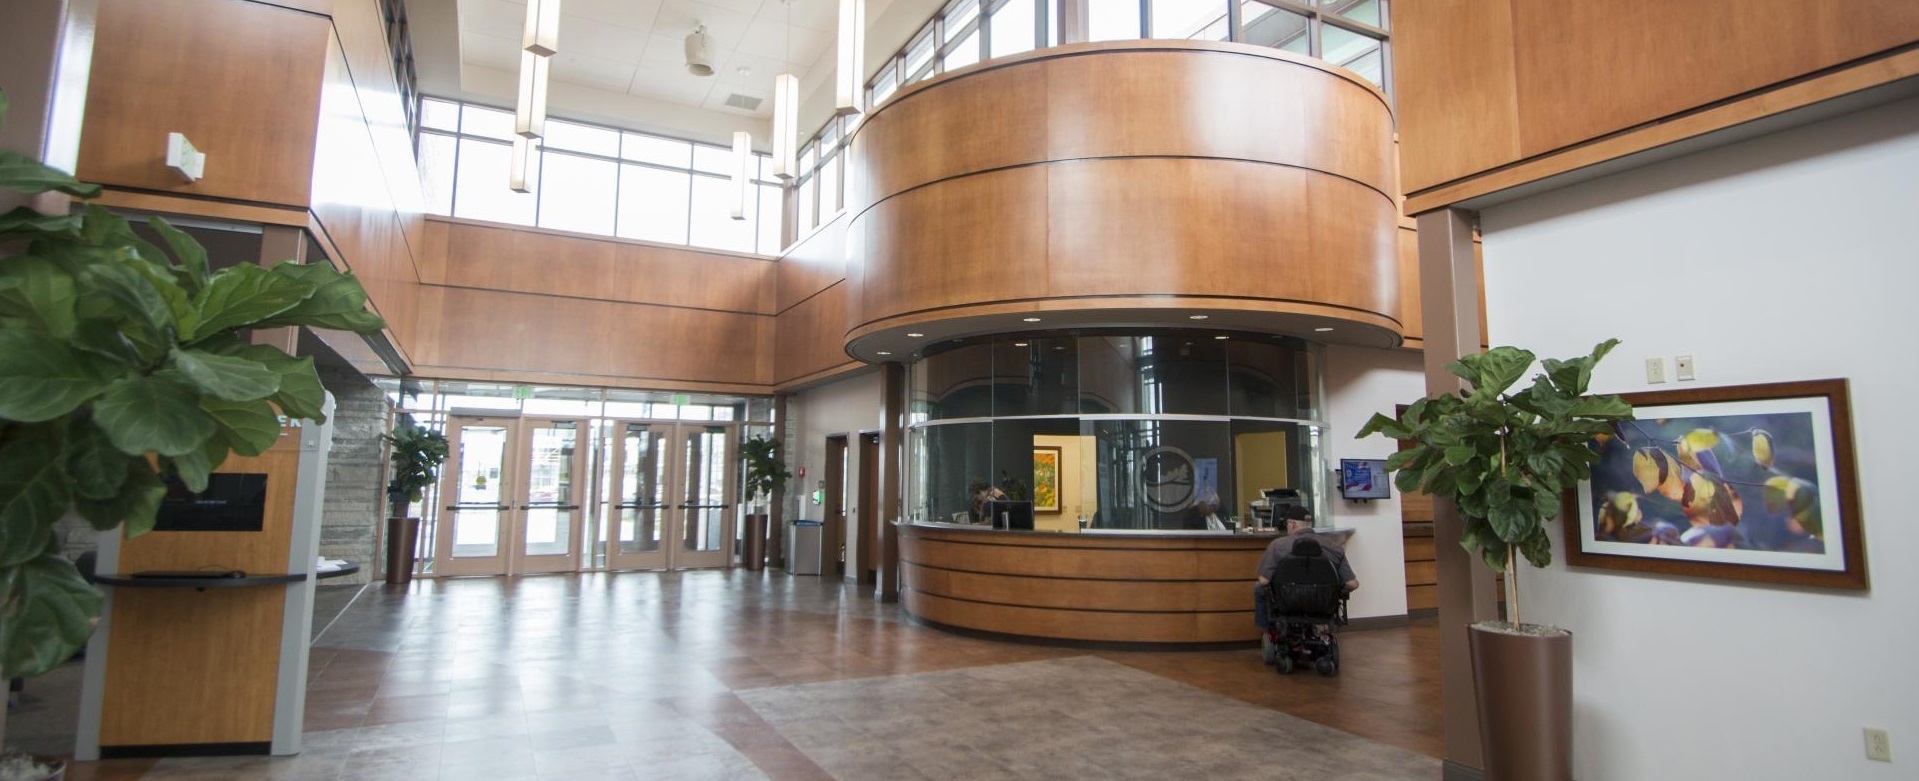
670	497
515	487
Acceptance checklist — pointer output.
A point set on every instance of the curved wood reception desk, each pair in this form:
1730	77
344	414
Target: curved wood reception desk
1122	184
1145	587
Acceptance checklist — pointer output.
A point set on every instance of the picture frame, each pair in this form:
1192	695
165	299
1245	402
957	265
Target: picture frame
1046	465
1752	483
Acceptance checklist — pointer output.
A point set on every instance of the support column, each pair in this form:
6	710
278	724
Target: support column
46	56
892	477
776	515
1449	298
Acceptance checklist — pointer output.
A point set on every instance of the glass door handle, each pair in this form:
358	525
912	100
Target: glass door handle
549	506
639	506
702	506
478	506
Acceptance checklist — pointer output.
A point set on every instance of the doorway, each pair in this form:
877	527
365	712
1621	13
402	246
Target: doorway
866	511
513	486
833	537
670	496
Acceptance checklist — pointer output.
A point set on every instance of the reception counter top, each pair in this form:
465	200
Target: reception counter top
1125	586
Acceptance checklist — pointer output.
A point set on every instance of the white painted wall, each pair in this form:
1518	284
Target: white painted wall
848	406
1788	257
1359	382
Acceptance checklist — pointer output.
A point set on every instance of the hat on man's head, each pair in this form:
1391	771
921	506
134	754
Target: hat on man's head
1297	512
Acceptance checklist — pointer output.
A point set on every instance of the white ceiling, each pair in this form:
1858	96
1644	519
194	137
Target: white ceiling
637	47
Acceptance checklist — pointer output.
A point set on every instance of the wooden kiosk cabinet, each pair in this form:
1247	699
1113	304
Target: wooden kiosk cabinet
194	665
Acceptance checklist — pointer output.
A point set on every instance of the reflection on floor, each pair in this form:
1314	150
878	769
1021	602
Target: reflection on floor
742	675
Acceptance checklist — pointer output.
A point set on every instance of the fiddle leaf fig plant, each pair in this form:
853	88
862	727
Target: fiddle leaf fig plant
765	469
418	452
1504	459
122	365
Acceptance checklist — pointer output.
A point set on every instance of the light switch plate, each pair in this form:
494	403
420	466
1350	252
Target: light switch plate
1655	370
1682	367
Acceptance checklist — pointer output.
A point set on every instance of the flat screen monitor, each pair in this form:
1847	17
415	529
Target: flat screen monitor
233	502
1010	514
1364	478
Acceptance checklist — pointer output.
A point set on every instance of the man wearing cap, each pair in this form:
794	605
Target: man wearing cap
1299	526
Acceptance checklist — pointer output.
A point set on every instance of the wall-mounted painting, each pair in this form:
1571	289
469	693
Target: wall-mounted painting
1046	479
1751	482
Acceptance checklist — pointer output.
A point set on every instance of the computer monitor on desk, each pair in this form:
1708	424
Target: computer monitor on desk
1010	514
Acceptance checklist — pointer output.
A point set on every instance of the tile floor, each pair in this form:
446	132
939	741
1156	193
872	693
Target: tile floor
760	675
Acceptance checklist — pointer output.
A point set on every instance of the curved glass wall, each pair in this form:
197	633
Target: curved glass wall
1130	429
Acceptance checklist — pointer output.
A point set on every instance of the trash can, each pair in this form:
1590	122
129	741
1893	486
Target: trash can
803	547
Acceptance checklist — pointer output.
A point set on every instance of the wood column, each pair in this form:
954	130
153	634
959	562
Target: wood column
892	477
776	516
1449	299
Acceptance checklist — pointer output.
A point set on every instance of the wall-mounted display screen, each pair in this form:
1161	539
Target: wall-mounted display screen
233	502
1364	478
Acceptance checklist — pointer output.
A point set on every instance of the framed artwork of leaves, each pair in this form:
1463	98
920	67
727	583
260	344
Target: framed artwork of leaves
1046	479
1749	482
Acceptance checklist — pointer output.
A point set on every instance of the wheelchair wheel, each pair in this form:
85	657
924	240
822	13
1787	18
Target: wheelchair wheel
1284	664
1326	666
1268	650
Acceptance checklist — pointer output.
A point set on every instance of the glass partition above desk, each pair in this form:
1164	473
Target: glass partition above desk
1142	430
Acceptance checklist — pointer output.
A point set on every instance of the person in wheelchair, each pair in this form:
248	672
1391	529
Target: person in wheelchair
1300	599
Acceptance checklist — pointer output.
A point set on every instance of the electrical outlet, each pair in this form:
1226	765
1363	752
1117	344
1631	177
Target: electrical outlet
1878	745
1682	367
1655	370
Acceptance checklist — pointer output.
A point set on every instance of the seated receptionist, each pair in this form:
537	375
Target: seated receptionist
1299	526
1204	514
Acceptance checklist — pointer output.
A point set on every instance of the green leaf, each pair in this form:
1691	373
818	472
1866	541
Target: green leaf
50	615
192	256
42	379
250	427
1494	371
193	468
97	468
21	173
106	229
243	296
233	379
135	505
35	289
301	396
1604	407
24	222
338	301
181	310
1459	455
121	291
156	414
34	493
103	338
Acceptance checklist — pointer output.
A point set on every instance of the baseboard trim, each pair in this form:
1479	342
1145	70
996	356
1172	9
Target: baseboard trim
1377	622
1453	771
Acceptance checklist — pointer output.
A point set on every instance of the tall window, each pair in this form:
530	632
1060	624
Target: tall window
593	179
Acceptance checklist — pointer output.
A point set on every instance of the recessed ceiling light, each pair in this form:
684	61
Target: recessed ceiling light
1324	329
1030	319
1019	344
915	336
1197	317
883	352
1221	338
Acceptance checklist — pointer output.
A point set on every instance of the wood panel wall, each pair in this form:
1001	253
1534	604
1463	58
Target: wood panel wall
509	304
811	325
1483	85
241	79
1171	589
1158	170
193	667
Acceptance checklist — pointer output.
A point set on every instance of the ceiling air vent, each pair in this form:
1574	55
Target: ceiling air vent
747	102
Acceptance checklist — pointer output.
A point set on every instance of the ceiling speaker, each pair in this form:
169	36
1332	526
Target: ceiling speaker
699	52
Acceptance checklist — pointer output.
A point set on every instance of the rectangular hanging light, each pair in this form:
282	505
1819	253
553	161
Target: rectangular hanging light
742	171
522	160
852	57
786	109
529	115
542	33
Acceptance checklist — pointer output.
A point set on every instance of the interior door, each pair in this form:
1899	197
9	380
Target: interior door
704	513
637	499
549	515
473	525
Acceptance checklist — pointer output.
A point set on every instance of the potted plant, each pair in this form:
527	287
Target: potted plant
1505	460
121	365
417	452
765	472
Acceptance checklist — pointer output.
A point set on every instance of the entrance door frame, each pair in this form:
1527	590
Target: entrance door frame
510	557
674	509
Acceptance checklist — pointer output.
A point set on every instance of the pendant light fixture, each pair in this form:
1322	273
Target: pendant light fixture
541	35
742	171
522	161
786	109
852	56
529	114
